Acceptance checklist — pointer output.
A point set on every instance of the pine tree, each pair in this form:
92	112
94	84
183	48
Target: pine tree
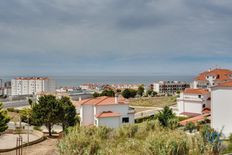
4	119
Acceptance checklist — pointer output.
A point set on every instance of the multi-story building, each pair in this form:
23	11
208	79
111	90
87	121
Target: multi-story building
31	85
211	78
169	87
105	111
221	115
193	102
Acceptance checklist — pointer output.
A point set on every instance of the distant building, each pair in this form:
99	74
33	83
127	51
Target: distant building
31	85
169	87
90	86
105	111
221	108
193	102
211	78
125	86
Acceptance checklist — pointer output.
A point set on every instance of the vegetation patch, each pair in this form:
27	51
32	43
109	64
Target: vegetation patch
154	101
145	138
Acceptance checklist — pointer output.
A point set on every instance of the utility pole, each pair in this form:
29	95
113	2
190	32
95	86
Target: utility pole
28	125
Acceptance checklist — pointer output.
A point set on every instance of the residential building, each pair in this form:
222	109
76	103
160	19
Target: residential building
105	111
169	87
31	85
221	107
193	102
211	78
125	86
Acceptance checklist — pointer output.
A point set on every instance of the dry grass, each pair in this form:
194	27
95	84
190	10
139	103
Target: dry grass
154	101
14	116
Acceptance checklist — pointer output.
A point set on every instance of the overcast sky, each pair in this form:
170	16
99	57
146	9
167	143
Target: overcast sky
72	37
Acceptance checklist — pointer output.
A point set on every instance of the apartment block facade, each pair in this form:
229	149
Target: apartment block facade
31	85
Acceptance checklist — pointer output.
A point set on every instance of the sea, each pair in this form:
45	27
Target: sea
122	79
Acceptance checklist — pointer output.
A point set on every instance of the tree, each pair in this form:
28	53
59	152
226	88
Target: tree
165	116
110	93
190	127
30	101
140	90
4	119
26	115
68	114
128	93
46	112
95	94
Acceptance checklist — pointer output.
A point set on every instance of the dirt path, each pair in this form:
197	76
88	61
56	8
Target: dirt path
47	147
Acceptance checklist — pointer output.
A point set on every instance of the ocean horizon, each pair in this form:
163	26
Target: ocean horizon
111	79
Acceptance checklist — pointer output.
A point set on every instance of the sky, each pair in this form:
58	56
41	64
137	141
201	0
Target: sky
75	37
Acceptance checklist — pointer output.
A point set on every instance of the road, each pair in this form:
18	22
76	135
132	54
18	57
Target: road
147	113
15	104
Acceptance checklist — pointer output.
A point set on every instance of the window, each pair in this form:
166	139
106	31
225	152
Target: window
203	106
125	120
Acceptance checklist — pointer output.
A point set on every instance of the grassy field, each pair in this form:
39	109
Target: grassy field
154	101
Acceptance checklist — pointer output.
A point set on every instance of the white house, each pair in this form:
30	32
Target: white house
221	107
193	102
105	111
212	77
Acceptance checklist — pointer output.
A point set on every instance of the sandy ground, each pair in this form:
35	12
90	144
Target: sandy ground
47	147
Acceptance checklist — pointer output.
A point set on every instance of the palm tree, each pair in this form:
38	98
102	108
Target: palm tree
165	116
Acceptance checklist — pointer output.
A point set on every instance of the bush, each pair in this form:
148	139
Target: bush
11	109
145	138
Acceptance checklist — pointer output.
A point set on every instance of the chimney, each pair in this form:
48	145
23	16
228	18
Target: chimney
80	98
116	98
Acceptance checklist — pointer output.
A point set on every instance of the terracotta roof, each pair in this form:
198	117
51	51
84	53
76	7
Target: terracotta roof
195	119
196	91
190	114
221	74
103	100
108	114
225	84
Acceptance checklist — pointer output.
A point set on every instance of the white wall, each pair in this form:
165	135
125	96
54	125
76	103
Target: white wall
192	103
221	110
119	108
86	114
111	122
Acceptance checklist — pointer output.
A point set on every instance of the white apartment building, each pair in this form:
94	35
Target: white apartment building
31	85
221	108
105	111
193	102
211	78
169	87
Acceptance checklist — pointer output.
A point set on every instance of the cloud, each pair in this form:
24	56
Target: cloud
119	35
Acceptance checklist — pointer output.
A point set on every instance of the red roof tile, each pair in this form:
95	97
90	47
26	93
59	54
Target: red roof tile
196	91
195	119
108	114
221	74
225	84
103	100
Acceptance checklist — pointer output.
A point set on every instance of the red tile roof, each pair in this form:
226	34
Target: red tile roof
195	119
108	114
225	84
196	91
190	114
103	100
221	74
